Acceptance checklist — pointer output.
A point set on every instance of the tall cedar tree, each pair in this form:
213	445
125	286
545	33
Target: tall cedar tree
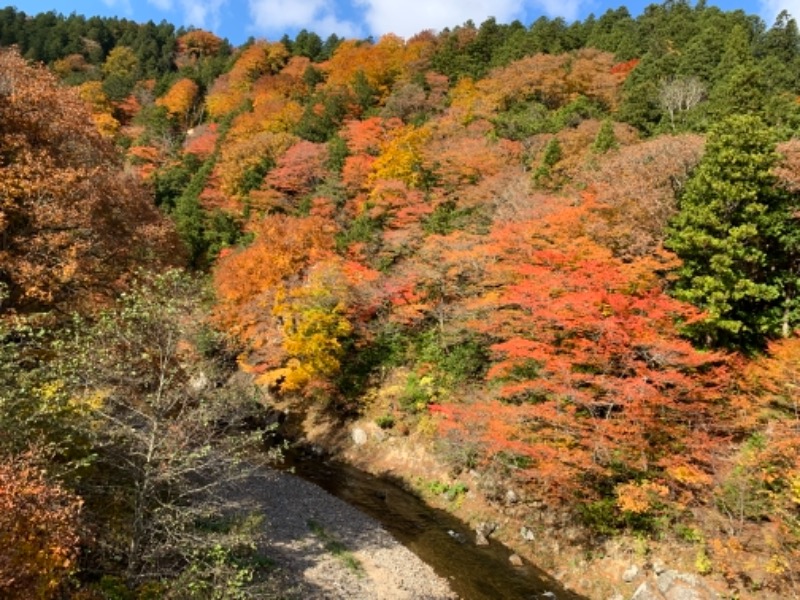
735	233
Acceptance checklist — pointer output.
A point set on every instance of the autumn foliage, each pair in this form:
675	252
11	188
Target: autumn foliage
66	202
180	101
381	64
233	88
39	532
593	381
249	280
498	241
196	45
462	236
299	169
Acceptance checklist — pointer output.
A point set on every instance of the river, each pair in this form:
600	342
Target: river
437	537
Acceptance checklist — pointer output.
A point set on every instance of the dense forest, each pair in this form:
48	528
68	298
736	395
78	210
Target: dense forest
564	255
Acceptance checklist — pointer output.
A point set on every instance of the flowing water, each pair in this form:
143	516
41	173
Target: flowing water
438	538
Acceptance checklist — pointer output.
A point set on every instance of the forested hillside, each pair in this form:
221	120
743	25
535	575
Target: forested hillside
566	256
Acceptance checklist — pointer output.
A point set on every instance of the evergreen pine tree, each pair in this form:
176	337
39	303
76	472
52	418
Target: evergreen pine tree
735	235
552	154
605	140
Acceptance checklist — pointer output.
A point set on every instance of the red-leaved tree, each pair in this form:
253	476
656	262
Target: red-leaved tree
593	382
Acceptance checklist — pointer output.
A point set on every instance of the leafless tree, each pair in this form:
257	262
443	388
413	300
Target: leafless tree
173	438
681	94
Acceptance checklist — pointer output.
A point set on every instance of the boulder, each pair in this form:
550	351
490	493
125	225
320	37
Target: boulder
672	585
359	436
482	532
647	591
456	536
658	566
630	573
684	586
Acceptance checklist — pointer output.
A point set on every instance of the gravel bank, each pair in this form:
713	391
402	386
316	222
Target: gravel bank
324	548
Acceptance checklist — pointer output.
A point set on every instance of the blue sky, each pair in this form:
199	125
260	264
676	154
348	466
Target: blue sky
270	19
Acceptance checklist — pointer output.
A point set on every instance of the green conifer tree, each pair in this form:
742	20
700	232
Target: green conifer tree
605	140
736	235
552	154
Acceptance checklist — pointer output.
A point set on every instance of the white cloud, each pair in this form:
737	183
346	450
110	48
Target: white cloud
412	16
569	9
204	14
282	14
772	8
329	24
402	17
279	16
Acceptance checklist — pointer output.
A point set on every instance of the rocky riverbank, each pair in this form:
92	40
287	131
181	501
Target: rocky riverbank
540	537
620	570
322	548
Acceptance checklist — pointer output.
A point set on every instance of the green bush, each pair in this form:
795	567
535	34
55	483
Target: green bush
385	421
417	393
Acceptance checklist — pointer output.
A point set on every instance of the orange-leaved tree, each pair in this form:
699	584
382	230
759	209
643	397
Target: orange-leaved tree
181	101
299	169
367	136
39	532
196	45
72	223
232	89
762	482
244	162
380	64
247	281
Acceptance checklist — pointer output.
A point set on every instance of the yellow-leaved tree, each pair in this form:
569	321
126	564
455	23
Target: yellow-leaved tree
315	324
91	92
401	157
